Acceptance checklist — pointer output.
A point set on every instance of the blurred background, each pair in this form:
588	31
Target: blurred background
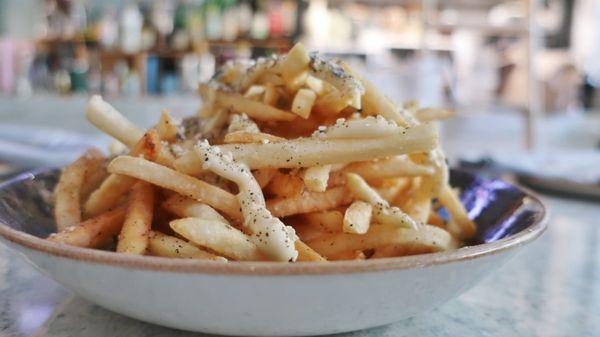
523	76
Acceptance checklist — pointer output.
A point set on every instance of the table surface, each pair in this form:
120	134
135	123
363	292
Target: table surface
550	288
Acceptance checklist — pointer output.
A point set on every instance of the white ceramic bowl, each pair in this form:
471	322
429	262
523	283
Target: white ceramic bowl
261	298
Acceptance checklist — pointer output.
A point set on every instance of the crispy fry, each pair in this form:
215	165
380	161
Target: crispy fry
308	233
219	237
425	238
309	202
93	233
316	178
167	127
285	185
138	220
112	122
307	254
303	102
254	109
271	95
382	211
241	122
172	180
451	202
255	92
309	152
251	137
330	221
69	189
185	207
264	176
331	103
111	191
390	189
357	218
163	245
94	176
294	63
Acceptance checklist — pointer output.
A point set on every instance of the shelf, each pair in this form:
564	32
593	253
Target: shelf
515	30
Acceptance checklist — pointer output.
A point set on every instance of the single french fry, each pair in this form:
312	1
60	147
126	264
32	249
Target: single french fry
163	245
308	233
307	254
251	137
167	127
254	109
382	211
219	237
285	185
106	118
436	220
335	74
397	166
348	255
425	238
185	207
307	152
369	127
181	183
458	213
330	221
316	178
255	92
294	63
112	189
215	122
419	206
391	188
67	206
309	202
93	233
303	102
94	176
241	122
315	85
133	238
264	176
271	95
357	218
331	103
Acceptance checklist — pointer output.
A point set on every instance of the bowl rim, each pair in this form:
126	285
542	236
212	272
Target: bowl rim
162	264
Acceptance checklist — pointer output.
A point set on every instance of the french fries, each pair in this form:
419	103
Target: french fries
316	178
307	152
425	238
165	177
93	233
347	174
138	220
112	122
69	189
163	245
219	237
357	218
309	202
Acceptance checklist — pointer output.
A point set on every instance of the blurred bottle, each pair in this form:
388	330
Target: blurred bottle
260	21
162	20
108	30
179	39
195	26
149	33
275	18
213	20
79	70
230	20
244	18
131	29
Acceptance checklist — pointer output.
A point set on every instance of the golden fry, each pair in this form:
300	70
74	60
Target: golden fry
93	233
138	220
69	189
309	202
163	245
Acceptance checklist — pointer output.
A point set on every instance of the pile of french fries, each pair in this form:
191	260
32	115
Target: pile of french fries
292	158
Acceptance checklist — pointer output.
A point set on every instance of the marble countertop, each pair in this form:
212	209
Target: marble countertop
551	288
